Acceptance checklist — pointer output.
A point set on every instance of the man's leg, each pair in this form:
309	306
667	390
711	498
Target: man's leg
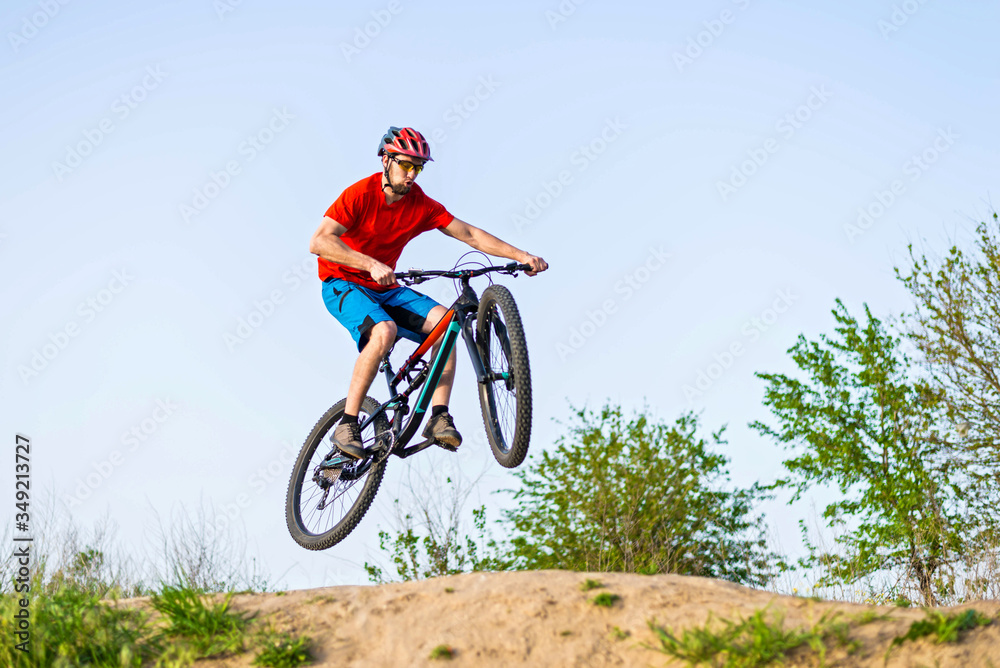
347	434
380	339
374	332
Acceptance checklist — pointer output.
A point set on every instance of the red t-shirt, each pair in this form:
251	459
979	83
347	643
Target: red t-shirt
377	229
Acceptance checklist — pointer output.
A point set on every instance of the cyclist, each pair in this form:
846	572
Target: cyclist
362	235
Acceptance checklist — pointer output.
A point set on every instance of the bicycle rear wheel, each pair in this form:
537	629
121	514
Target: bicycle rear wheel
505	398
324	504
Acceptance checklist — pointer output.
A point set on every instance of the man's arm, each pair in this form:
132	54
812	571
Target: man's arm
326	243
483	241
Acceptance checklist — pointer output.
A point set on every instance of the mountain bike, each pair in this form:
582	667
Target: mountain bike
329	493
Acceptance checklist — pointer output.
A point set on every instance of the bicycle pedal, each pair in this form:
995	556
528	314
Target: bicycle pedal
449	448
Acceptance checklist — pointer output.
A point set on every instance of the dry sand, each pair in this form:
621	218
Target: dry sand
542	618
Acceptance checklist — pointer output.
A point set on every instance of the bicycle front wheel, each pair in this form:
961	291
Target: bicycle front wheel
324	503
506	396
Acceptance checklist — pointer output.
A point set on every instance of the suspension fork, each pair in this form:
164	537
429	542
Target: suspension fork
475	355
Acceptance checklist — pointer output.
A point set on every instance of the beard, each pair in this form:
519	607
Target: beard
397	188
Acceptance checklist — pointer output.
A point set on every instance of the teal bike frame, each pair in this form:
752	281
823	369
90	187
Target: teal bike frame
418	374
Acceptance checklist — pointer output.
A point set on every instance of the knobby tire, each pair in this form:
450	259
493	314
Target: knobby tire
316	529
506	404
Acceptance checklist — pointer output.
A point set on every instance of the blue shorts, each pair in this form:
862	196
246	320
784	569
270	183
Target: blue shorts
358	309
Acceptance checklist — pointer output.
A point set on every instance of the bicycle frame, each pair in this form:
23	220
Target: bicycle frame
457	320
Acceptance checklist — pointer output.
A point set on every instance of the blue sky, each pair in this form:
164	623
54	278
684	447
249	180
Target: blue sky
691	173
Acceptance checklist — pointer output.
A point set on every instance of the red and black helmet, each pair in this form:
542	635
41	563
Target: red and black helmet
406	141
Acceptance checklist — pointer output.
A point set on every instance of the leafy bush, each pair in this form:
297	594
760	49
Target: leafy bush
944	628
283	651
639	496
428	539
749	643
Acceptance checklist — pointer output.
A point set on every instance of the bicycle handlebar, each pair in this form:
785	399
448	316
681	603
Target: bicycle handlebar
415	276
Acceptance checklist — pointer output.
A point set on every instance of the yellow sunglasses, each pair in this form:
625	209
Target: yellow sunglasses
407	166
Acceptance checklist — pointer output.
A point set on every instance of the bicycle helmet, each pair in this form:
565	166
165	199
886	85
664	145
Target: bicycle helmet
406	141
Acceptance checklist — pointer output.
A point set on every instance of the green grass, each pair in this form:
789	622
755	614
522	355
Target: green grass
283	651
207	629
605	600
449	590
443	652
589	584
71	627
752	642
941	627
618	634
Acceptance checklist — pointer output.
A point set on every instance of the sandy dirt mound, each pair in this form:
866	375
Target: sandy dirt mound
542	618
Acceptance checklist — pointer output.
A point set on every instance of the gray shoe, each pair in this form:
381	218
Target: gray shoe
347	437
442	429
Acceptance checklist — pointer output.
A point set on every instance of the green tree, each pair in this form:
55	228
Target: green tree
956	326
859	423
641	496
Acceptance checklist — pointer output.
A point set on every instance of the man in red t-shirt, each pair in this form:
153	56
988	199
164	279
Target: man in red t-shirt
358	243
